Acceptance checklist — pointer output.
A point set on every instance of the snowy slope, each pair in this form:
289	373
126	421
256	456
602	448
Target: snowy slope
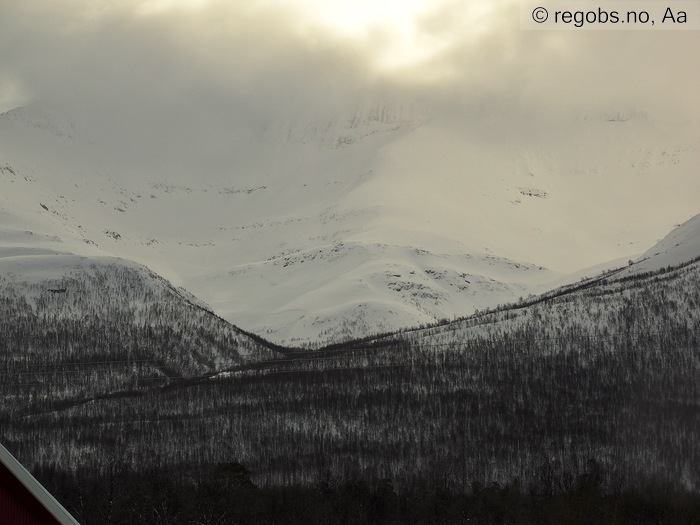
680	246
329	226
653	297
48	291
350	289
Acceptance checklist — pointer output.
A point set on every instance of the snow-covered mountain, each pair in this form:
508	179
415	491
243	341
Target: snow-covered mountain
653	297
323	227
61	314
606	368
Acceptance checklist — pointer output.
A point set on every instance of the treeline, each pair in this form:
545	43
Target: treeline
225	494
616	312
107	327
594	306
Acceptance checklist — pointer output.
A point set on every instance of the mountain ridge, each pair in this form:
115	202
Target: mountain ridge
603	371
219	228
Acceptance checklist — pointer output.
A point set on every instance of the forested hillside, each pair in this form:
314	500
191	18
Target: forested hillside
603	377
109	373
73	328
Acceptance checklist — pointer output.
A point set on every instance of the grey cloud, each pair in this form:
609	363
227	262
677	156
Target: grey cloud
194	71
176	82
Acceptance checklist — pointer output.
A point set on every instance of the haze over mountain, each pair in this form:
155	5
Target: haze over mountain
470	241
340	225
322	170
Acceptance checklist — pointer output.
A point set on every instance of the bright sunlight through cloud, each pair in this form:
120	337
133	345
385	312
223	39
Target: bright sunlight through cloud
396	34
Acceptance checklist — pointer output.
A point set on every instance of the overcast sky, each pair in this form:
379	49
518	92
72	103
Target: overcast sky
206	62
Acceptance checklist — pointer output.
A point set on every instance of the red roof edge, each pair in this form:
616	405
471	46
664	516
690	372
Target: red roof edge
31	496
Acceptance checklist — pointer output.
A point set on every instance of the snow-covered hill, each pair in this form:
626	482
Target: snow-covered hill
653	297
327	226
604	369
680	246
64	308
